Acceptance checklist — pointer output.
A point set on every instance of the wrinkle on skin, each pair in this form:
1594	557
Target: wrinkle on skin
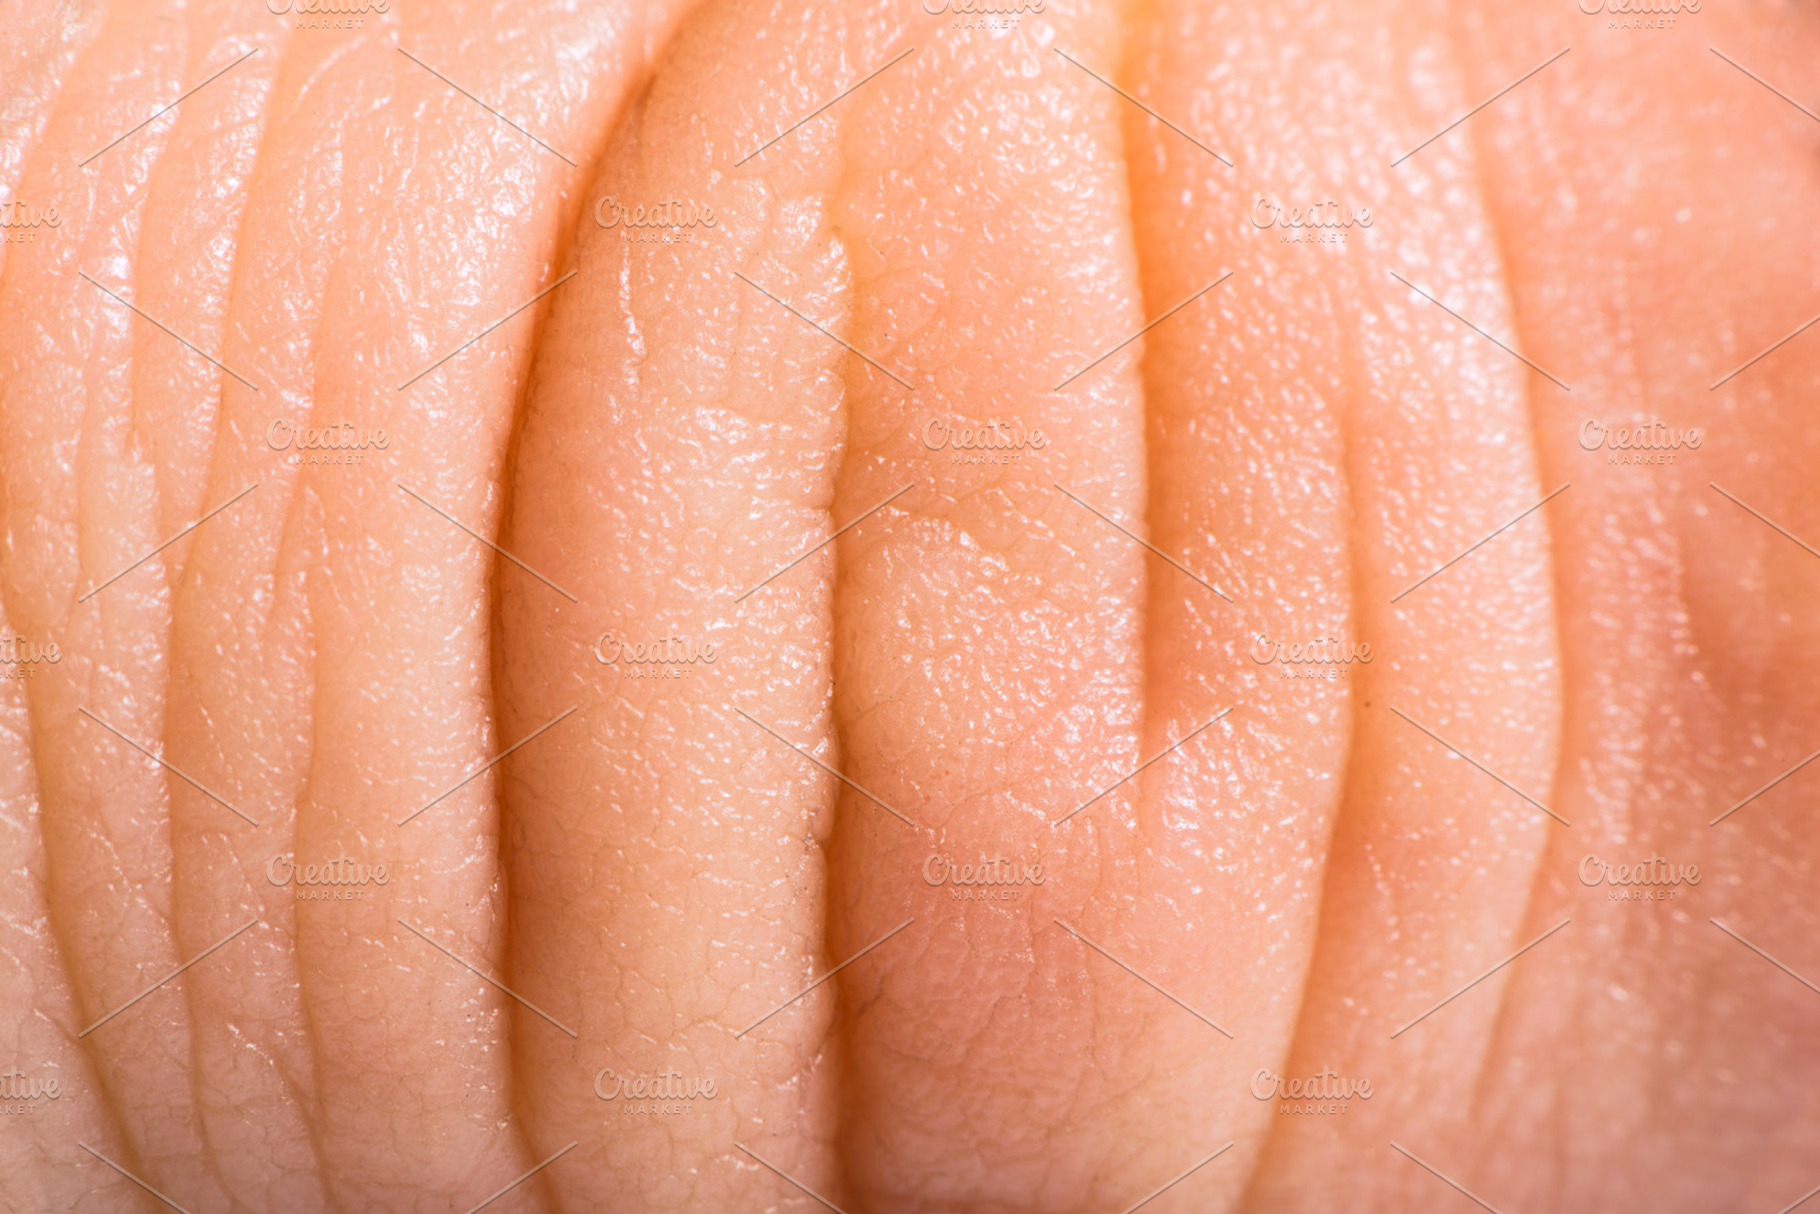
982	219
260	1079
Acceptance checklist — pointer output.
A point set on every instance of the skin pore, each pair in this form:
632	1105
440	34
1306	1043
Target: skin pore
717	672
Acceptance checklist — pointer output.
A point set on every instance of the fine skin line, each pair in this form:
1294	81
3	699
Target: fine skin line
1482	977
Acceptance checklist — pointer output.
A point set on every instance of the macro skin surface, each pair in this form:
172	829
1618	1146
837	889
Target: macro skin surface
817	699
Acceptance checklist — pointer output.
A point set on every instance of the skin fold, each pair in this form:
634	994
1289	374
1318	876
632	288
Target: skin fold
849	710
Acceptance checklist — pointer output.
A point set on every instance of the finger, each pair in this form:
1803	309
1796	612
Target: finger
1689	653
677	456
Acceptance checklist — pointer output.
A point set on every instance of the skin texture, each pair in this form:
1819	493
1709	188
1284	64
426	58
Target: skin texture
767	870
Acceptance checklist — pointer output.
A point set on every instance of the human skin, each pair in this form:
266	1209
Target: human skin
567	513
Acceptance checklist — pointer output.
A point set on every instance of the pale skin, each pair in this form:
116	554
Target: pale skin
919	758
